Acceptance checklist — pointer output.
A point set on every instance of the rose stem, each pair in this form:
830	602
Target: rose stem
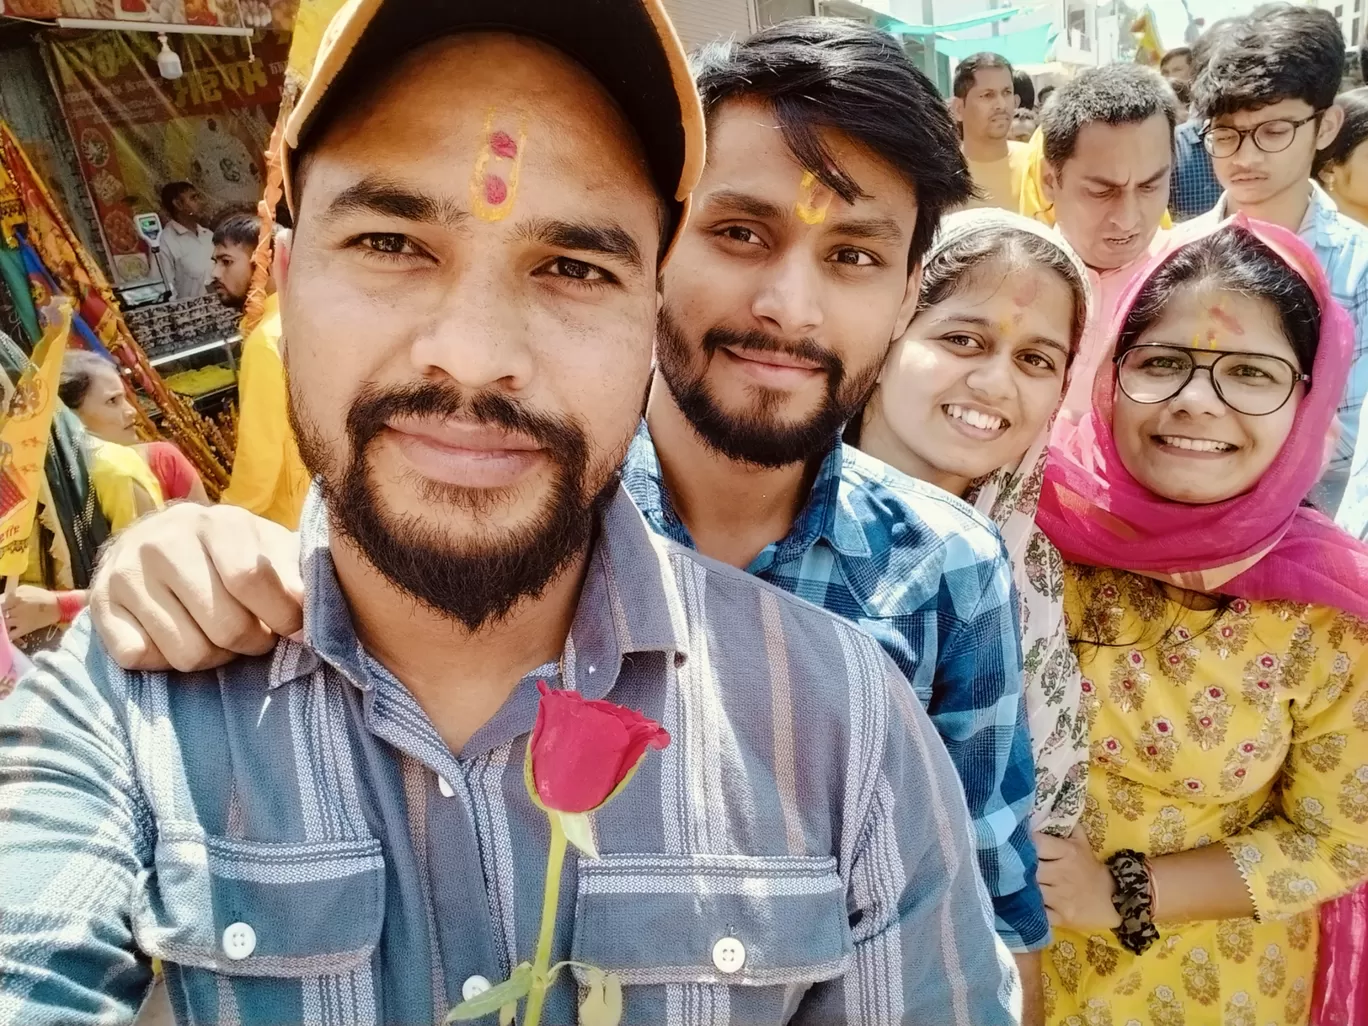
555	861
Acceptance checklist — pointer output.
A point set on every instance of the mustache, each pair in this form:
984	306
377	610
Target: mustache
374	406
803	348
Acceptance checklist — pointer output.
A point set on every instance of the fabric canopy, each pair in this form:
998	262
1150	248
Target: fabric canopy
1029	46
902	28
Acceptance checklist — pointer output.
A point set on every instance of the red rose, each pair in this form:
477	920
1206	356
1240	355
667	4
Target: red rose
582	751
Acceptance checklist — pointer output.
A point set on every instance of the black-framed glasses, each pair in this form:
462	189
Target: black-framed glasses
1270	136
1250	383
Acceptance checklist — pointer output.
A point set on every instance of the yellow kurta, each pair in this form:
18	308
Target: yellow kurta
268	477
1247	727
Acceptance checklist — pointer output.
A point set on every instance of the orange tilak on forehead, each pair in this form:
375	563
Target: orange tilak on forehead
813	199
494	180
1022	296
1216	317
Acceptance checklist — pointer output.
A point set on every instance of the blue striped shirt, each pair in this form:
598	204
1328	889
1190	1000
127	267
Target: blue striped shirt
929	578
291	836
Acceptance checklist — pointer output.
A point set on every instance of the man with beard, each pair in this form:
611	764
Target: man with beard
235	240
984	101
336	830
780	301
268	477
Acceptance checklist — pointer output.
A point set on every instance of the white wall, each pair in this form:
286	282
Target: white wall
699	21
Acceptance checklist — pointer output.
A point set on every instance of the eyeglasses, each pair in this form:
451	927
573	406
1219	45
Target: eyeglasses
1270	136
1249	383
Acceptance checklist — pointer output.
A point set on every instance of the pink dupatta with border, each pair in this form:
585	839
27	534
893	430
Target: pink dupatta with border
1261	545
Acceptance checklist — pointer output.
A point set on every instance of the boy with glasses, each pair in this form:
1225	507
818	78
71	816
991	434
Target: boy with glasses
1267	100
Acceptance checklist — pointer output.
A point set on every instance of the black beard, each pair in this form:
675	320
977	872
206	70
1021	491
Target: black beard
755	436
476	587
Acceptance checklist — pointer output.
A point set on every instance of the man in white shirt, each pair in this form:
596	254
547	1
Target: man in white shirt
187	247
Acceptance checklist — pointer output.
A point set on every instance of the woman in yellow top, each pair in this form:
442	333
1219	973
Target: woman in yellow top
1222	631
124	483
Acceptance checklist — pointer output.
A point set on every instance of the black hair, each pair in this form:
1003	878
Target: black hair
1234	260
958	264
1024	89
1177	51
173	191
79	367
1114	94
1279	52
238	230
1045	93
850	78
1206	42
973	64
1182	92
1353	132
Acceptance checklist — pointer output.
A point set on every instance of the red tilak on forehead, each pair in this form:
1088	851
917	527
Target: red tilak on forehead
1225	320
495	190
501	144
1026	294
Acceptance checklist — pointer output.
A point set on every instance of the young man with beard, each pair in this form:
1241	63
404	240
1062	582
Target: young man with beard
336	831
1267	95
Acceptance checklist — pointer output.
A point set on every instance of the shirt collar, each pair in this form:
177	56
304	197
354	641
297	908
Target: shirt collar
819	518
631	602
1320	208
180	229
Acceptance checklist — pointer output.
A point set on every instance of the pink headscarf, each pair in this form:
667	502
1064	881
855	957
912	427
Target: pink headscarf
1260	545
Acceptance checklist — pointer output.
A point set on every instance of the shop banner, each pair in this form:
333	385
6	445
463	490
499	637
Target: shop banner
135	131
271	14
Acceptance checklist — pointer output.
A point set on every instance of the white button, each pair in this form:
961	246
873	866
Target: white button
239	941
445	788
729	955
474	987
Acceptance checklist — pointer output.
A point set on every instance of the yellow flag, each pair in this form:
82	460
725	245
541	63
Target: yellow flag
1148	49
24	441
310	24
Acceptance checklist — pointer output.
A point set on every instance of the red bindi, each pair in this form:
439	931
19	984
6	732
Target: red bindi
501	144
1027	293
495	190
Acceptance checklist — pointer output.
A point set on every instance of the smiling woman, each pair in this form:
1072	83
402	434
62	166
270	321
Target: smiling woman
965	400
1219	626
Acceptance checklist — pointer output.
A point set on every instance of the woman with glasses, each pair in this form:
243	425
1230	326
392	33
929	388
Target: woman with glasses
1220	627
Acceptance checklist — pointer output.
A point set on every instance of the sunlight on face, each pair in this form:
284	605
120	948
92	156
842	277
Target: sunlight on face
975	379
1194	448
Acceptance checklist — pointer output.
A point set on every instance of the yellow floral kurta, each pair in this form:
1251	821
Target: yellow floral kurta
1247	727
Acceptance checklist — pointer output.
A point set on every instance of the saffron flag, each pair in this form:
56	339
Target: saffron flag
24	439
1148	49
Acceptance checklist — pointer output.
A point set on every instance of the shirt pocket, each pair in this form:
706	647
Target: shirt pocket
261	908
724	920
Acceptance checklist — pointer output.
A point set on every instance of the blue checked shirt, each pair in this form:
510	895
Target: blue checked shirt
290	835
930	580
1341	245
1194	187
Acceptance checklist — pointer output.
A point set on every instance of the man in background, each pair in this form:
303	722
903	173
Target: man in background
1108	149
268	476
1195	187
1268	95
187	247
1177	65
984	102
235	241
1025	91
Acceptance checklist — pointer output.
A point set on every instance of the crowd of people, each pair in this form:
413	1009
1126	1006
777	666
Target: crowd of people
976	499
